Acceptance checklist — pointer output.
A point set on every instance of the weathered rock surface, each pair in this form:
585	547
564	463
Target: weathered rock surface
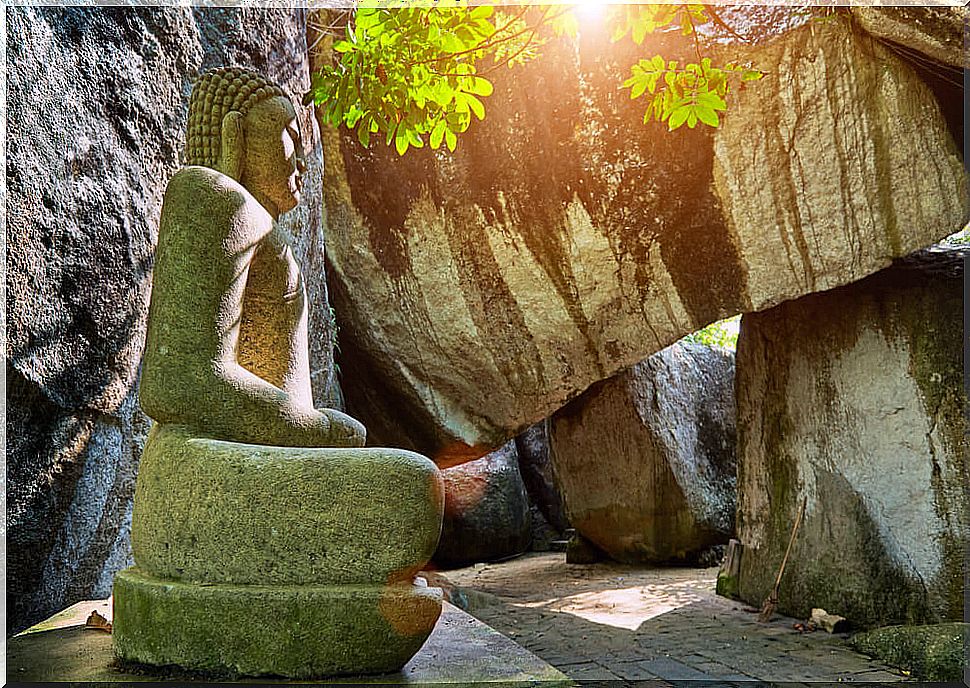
563	241
96	111
854	400
646	460
486	510
936	32
545	503
539	476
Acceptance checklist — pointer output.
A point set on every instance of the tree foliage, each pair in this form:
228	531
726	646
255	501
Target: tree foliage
418	74
722	334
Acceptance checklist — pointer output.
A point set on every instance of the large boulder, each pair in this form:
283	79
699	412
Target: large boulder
97	104
487	513
853	400
539	474
548	512
564	241
646	459
935	32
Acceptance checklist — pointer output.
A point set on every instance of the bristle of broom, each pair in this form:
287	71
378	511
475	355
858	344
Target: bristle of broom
768	610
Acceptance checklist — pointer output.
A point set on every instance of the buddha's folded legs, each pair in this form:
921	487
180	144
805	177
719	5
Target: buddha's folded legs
222	512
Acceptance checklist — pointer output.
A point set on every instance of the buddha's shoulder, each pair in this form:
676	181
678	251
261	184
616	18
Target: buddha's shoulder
198	187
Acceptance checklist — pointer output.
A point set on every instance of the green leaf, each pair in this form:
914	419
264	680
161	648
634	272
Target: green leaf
473	103
437	134
451	140
401	142
711	100
366	17
639	33
678	117
751	75
707	115
343	46
482	12
363	135
451	43
567	24
479	86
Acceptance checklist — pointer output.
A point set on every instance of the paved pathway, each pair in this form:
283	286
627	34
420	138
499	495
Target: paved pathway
609	622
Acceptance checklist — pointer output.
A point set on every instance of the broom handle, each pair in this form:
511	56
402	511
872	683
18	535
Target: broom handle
791	541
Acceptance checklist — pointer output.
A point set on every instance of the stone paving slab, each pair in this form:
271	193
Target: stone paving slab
665	626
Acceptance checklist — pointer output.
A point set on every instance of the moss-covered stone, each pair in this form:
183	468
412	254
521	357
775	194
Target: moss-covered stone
208	511
931	653
727	586
853	398
294	631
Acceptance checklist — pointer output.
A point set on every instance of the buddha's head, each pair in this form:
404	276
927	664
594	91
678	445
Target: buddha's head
245	127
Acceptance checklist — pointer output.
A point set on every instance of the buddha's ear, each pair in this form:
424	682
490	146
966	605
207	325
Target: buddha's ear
233	145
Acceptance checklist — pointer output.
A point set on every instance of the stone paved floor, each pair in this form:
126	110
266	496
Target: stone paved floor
610	622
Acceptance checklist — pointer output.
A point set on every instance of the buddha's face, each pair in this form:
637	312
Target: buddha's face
273	161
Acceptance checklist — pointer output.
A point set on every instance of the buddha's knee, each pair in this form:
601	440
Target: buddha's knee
213	511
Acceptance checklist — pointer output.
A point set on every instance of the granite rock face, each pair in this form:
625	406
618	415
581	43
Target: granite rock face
646	460
96	114
487	513
549	521
539	475
563	241
853	399
936	32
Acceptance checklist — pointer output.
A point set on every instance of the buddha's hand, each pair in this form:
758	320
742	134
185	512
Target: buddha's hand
344	430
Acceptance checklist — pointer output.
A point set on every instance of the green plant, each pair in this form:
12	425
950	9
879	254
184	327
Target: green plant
722	334
961	238
417	74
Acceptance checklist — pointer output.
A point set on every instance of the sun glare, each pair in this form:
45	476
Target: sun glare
589	10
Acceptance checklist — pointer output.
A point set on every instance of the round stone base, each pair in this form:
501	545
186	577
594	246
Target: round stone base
292	631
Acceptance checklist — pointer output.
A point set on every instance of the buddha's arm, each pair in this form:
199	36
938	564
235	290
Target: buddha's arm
209	232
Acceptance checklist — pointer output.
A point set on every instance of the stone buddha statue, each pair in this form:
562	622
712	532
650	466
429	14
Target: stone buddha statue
266	538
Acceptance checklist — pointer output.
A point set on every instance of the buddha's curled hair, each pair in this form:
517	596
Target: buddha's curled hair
216	93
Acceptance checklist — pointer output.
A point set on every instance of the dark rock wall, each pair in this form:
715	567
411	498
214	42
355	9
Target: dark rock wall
487	514
539	475
97	100
646	459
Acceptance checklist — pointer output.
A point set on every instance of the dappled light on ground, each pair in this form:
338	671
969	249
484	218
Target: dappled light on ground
612	623
627	607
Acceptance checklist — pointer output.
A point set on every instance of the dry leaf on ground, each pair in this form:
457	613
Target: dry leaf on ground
98	623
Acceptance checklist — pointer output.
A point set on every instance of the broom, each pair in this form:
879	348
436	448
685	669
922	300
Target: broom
768	608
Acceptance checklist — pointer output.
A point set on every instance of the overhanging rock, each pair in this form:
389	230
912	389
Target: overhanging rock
564	240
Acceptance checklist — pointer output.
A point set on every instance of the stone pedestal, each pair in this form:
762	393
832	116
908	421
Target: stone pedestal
295	562
302	631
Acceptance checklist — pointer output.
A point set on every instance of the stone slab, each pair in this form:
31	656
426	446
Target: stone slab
460	650
298	631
